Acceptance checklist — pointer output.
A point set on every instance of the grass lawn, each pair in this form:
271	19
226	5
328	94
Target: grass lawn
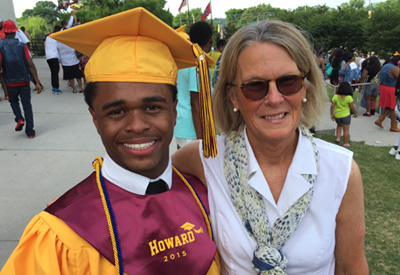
381	176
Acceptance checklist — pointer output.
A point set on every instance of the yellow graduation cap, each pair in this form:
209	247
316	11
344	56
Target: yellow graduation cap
181	31
396	53
136	46
135	37
181	28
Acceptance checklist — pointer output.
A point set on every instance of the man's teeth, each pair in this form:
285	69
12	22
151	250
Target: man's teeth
275	117
141	146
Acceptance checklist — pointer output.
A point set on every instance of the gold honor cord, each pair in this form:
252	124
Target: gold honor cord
206	112
197	199
112	228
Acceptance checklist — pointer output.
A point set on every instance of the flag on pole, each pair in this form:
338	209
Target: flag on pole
182	5
206	12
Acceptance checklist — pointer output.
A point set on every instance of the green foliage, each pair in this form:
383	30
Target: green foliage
35	26
383	28
45	14
95	9
346	26
353	5
229	30
234	15
182	18
44	9
254	14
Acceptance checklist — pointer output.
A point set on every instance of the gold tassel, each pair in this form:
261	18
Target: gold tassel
206	112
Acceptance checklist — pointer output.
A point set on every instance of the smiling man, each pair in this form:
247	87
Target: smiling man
136	214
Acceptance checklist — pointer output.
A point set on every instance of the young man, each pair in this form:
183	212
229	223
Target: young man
216	54
136	214
188	126
52	58
16	67
2	36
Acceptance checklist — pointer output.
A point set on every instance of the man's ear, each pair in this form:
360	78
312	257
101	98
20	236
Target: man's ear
94	119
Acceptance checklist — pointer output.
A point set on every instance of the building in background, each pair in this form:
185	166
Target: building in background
7	10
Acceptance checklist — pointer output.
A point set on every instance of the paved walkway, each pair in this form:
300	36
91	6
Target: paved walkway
33	171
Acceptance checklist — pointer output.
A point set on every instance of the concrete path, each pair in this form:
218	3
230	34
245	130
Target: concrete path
34	171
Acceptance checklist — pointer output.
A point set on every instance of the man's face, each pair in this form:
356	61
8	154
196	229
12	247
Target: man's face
136	123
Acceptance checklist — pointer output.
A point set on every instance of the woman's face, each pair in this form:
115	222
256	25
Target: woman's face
275	117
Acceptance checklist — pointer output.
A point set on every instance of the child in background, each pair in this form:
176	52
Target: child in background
395	151
342	102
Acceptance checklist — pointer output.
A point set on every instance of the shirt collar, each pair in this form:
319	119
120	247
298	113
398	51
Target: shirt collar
295	185
304	152
131	181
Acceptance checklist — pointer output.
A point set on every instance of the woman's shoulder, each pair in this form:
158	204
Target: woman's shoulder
332	150
221	140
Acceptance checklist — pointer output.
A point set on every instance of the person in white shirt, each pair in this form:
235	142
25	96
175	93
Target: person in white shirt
20	35
70	64
66	25
52	58
362	58
281	201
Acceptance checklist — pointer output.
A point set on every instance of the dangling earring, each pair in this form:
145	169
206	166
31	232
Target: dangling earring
304	100
235	110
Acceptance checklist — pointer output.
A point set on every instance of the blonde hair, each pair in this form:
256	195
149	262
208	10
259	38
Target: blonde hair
290	38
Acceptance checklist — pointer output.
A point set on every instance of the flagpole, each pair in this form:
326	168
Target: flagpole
211	15
187	2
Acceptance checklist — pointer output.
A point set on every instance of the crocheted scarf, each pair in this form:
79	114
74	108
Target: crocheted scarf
249	205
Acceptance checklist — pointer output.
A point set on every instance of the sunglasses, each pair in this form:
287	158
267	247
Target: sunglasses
257	89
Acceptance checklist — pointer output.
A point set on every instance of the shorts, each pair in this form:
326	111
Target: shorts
72	72
343	120
371	90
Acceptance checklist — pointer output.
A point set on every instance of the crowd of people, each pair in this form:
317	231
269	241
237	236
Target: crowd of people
12	60
271	199
377	80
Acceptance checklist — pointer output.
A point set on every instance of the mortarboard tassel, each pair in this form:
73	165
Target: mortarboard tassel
206	112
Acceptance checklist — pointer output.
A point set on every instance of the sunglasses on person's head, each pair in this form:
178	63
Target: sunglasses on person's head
257	89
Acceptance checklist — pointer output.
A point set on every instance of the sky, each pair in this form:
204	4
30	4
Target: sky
218	7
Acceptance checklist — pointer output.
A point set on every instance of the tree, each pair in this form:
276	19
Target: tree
383	29
260	12
353	5
182	18
95	9
36	27
234	15
43	9
229	30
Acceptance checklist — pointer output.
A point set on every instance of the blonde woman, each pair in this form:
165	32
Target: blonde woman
281	201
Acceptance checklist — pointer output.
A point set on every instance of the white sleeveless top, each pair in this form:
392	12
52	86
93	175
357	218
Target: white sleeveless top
310	250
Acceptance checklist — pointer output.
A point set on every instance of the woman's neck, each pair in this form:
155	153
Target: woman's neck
274	153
